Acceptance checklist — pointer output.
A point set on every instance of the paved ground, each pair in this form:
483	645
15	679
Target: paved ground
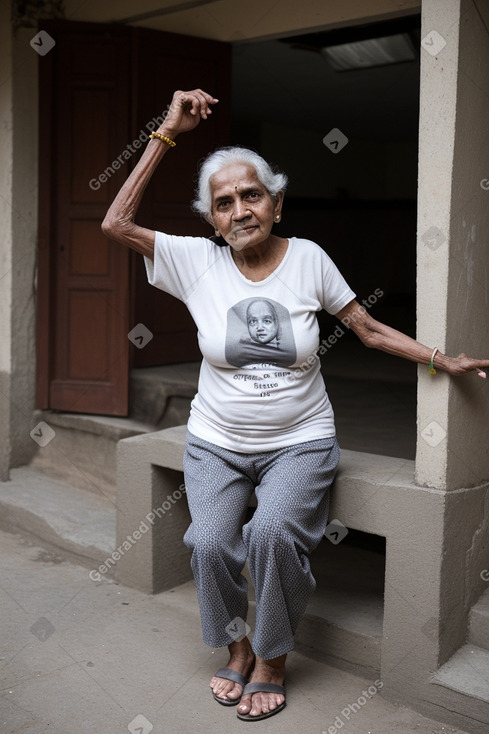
84	656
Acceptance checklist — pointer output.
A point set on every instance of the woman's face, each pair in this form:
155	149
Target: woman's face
242	209
262	322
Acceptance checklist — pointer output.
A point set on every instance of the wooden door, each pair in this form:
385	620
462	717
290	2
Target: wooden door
94	102
83	278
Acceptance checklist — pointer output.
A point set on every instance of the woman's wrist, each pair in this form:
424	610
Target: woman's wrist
167	132
443	362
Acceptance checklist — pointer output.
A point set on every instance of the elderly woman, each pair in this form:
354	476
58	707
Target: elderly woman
257	422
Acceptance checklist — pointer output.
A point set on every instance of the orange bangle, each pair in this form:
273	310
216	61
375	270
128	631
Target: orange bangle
166	140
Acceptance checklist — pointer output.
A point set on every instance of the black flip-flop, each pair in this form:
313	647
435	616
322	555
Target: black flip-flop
262	688
229	674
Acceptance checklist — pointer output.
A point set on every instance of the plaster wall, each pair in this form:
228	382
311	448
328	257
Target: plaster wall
18	228
453	315
6	149
24	240
468	277
464	558
438	76
453	225
435	580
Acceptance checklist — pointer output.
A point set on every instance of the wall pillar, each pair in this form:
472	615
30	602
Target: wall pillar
18	241
452	459
453	235
6	143
453	281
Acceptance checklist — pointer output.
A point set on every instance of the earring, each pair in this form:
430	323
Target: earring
277	218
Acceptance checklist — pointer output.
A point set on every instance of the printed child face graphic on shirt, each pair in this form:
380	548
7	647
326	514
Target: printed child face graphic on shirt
262	321
259	330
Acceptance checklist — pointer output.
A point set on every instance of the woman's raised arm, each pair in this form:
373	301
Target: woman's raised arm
186	111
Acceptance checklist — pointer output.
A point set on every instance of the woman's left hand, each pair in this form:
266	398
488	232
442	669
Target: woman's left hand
462	365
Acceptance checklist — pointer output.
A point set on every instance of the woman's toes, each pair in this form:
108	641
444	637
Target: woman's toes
221	688
234	693
278	700
261	703
244	706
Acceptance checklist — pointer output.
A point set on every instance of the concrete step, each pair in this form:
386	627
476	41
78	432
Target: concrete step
82	452
343	623
467	672
478	632
68	521
161	396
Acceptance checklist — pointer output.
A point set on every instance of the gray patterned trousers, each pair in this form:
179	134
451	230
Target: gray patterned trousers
292	491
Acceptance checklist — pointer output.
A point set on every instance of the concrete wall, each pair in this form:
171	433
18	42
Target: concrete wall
468	276
453	230
453	314
24	232
6	145
18	233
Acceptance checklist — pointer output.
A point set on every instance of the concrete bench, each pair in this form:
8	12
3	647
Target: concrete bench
375	494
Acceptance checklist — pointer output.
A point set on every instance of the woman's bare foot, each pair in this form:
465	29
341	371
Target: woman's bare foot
266	671
242	660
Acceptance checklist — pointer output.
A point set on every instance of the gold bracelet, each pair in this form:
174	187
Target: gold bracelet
166	140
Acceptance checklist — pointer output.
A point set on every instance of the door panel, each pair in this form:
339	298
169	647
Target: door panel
90	319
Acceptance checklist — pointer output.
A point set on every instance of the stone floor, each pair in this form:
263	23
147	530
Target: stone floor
91	656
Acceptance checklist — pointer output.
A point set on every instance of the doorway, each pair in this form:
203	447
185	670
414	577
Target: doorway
357	202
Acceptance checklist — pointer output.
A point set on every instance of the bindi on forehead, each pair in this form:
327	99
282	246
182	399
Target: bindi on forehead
235	179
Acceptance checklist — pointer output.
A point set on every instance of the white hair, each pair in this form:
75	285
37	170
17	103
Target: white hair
272	179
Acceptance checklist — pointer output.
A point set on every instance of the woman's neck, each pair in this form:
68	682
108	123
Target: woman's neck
265	256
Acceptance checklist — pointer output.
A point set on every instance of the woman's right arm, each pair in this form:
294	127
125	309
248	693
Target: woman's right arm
185	113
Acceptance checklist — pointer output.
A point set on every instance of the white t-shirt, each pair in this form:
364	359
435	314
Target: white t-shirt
257	391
